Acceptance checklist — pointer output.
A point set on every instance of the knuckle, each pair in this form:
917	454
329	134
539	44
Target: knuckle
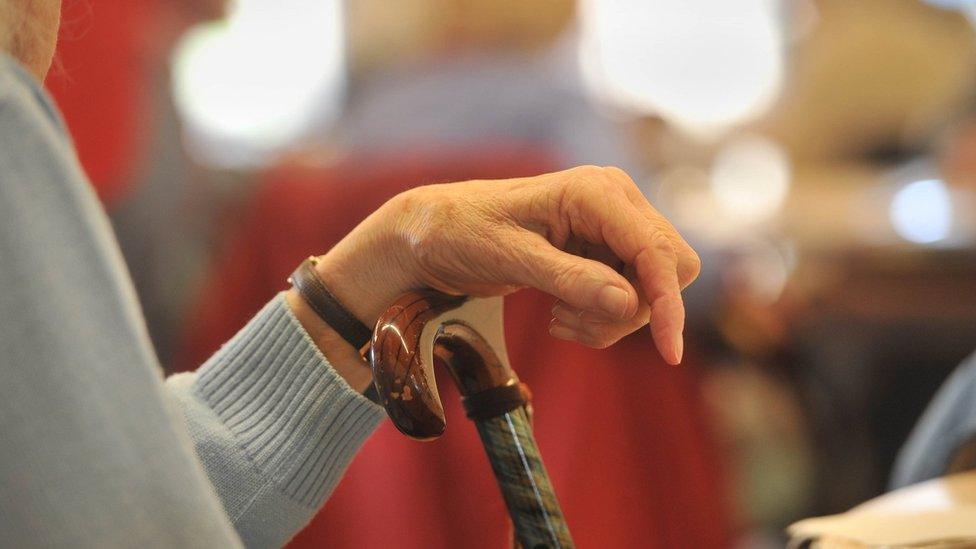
588	171
618	175
590	178
567	277
694	265
662	244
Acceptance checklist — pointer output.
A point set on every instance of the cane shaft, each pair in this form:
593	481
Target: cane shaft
523	480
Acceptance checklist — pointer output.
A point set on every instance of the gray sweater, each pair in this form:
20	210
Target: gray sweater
96	449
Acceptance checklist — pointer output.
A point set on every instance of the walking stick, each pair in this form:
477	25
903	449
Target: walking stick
466	336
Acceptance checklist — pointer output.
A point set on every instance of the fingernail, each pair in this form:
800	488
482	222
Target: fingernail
678	348
562	332
614	301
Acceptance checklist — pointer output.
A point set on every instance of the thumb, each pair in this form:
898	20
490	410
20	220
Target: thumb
582	283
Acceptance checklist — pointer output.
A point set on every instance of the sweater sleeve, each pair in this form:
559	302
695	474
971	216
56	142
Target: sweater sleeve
273	424
93	451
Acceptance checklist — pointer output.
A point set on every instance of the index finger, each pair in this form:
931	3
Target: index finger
604	213
654	258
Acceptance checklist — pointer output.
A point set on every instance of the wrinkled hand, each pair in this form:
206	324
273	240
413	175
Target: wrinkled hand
586	236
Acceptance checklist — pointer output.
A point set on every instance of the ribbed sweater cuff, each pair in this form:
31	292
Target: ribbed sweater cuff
293	415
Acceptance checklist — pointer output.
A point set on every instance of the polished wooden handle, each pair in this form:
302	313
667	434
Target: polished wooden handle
467	337
400	355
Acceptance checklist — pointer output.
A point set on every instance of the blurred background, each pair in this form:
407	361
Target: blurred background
820	155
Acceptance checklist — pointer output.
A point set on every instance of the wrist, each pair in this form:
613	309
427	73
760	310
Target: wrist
370	268
345	360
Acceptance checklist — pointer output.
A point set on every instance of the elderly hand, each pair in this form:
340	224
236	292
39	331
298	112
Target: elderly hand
586	236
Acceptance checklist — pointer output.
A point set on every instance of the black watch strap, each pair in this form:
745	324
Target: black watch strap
306	280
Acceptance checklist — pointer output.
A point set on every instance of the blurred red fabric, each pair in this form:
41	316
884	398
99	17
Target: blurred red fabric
623	434
98	82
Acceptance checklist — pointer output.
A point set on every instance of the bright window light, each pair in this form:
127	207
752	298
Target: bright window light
921	212
252	84
703	65
750	179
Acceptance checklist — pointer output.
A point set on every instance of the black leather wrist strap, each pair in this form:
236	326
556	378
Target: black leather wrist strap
306	280
318	297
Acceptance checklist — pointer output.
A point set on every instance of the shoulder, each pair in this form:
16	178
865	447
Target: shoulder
22	95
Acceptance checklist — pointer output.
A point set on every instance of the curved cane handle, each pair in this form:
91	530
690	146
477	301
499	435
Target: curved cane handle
421	327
